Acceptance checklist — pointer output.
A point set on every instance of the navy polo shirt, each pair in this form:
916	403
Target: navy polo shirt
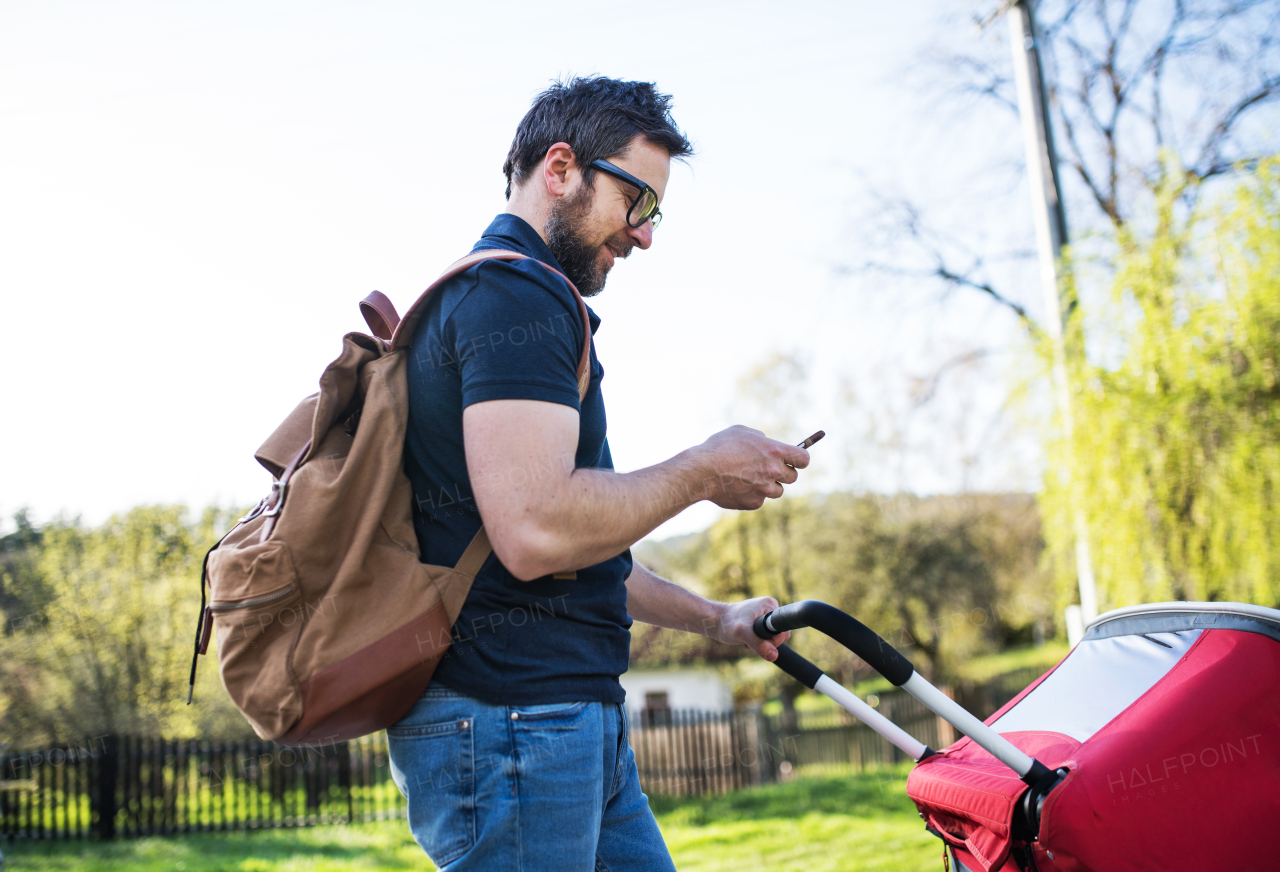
511	331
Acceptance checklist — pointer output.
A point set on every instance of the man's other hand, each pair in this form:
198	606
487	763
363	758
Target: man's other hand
735	621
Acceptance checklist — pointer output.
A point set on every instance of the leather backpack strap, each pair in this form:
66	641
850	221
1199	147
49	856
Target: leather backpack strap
477	553
380	314
401	331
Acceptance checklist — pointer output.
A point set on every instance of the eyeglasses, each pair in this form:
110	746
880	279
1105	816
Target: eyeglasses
644	207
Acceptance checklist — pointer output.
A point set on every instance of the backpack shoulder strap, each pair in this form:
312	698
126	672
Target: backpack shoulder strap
476	553
380	315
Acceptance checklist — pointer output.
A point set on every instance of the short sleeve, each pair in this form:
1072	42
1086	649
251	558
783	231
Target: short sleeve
516	335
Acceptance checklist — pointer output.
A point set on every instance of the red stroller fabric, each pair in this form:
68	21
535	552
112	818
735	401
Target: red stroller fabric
967	796
1186	776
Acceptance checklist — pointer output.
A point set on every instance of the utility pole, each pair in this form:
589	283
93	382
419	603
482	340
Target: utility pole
1051	236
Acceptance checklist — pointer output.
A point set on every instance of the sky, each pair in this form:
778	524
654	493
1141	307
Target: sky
195	196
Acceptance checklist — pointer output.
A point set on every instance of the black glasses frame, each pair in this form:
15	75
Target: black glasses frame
655	215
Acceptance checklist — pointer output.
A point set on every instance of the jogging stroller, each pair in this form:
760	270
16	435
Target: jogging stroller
1153	745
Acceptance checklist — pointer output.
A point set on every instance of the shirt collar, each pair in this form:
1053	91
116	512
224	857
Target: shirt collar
516	234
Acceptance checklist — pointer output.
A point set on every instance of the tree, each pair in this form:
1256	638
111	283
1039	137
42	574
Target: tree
1180	460
103	643
22	591
927	569
1158	106
940	577
1137	83
1148	98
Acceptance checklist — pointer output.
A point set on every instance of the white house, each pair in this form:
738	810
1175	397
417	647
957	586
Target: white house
677	687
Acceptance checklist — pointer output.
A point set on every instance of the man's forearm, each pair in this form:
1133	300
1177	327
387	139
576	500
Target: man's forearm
599	513
545	516
652	599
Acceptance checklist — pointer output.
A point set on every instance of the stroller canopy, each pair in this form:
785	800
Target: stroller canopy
1167	719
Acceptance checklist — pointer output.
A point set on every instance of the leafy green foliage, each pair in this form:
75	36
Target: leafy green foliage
1176	449
97	632
942	578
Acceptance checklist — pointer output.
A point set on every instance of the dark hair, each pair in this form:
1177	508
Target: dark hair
599	118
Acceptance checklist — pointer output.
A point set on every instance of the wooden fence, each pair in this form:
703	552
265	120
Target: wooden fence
835	740
125	786
119	787
684	753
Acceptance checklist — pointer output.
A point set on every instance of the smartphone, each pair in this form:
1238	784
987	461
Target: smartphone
806	444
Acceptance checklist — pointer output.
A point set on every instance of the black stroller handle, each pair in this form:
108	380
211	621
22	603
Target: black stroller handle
845	629
886	660
797	667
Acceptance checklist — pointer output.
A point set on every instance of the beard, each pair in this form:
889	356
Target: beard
578	257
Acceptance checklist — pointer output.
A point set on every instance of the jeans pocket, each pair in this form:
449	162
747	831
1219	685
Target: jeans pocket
549	714
437	765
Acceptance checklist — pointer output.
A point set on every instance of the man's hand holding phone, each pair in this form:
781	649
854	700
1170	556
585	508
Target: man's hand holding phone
746	467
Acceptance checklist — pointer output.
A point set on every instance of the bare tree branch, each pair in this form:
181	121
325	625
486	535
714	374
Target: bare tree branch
942	272
1103	198
1117	72
1210	152
927	388
1135	87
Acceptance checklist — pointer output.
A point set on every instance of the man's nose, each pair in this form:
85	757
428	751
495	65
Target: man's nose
643	235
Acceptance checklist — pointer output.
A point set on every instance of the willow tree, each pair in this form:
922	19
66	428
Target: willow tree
1178	444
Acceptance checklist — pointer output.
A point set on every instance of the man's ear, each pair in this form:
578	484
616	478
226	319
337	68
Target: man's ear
557	168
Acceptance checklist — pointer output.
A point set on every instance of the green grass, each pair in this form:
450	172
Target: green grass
374	847
852	822
815	824
994	665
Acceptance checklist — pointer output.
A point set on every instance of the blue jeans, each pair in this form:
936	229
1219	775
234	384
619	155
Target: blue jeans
524	788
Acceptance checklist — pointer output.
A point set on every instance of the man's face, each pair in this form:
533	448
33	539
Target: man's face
587	229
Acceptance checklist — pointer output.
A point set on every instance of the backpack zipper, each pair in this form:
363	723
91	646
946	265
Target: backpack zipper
245	604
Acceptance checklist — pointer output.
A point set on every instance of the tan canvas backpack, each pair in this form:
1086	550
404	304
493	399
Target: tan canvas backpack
329	625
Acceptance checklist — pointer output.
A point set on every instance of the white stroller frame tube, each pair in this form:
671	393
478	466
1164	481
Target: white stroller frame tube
811	676
899	737
955	714
898	670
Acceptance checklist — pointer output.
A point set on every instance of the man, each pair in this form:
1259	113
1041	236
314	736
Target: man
516	757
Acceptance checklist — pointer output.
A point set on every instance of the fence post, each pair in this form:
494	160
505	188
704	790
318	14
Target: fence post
105	795
755	739
946	733
765	748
